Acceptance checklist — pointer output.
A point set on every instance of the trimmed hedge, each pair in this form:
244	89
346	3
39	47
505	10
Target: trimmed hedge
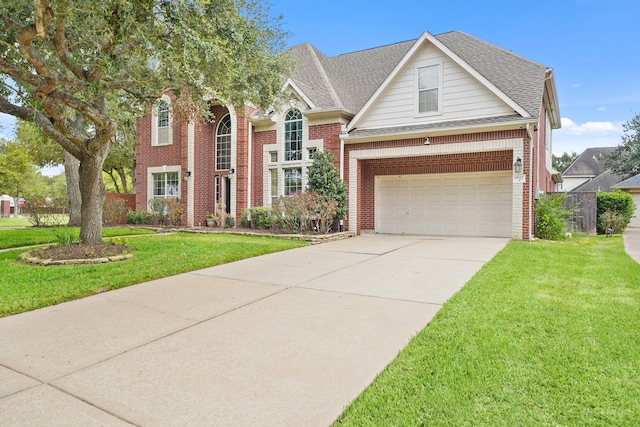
615	210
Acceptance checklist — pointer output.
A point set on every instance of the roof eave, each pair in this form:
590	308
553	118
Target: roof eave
551	99
452	130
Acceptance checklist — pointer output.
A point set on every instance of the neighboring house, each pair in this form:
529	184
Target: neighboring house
588	172
425	133
632	186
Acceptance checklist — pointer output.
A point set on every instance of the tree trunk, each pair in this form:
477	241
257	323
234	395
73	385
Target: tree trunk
133	176
93	193
71	165
113	179
123	178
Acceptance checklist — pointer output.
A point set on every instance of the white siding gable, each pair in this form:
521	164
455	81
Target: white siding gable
463	96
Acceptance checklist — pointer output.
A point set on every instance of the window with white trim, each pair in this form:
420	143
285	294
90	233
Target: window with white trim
223	144
292	181
166	185
161	126
429	89
274	184
293	135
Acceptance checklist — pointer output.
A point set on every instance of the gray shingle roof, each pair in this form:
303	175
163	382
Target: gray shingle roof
634	181
589	163
602	182
348	81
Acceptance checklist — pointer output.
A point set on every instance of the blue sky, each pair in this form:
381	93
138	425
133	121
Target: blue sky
590	44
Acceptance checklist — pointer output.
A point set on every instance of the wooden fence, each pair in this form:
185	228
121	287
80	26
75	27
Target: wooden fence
585	211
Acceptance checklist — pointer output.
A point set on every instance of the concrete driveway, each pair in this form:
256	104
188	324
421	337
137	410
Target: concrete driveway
286	339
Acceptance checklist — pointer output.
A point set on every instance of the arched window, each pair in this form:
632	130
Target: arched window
223	144
293	135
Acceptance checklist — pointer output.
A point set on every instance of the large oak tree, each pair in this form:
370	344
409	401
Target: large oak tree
65	64
625	159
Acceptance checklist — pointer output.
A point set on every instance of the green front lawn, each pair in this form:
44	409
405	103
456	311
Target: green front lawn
41	235
26	287
20	221
547	333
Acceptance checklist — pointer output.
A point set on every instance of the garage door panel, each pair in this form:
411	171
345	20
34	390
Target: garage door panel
474	204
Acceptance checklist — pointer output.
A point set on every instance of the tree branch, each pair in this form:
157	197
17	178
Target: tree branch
42	121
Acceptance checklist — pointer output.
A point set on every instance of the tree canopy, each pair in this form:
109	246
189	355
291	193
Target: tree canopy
69	66
625	159
560	163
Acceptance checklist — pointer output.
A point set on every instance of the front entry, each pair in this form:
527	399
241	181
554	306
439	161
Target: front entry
227	194
223	192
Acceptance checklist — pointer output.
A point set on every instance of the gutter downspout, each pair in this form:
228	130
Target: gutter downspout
530	205
343	133
249	175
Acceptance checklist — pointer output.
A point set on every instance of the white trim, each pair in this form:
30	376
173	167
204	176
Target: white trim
234	159
154	123
515	144
299	92
426	36
161	169
190	164
416	91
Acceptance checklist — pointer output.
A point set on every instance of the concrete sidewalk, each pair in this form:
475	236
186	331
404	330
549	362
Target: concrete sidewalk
283	339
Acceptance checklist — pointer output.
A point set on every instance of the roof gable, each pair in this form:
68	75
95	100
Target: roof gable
589	163
352	82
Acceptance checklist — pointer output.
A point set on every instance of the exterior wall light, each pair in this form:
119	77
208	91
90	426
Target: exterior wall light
232	171
187	175
517	166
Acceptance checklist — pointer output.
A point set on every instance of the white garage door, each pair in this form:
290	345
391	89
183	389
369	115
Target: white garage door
635	221
459	204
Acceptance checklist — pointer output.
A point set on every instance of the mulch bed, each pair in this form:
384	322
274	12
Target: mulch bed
80	251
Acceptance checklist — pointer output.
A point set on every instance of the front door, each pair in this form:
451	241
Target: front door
227	193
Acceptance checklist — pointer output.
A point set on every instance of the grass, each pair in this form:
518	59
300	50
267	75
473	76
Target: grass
27	287
15	222
40	235
547	333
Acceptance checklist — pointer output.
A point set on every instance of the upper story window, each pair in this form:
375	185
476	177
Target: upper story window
223	144
293	136
163	114
161	129
429	89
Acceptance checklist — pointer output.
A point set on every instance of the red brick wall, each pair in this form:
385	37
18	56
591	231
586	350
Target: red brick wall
155	156
129	203
330	133
260	139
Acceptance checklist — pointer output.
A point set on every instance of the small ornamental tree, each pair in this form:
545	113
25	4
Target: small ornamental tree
324	179
551	214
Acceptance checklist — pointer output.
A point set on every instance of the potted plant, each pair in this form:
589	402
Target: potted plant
210	219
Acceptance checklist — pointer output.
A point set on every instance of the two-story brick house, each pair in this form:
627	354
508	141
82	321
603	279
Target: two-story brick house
442	135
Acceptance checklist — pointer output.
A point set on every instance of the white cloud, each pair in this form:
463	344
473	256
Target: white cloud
580	136
576	85
588	128
602	109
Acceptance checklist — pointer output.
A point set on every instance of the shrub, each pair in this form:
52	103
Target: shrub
229	222
550	216
66	236
173	211
112	211
42	214
612	220
157	208
261	217
140	217
303	212
614	202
